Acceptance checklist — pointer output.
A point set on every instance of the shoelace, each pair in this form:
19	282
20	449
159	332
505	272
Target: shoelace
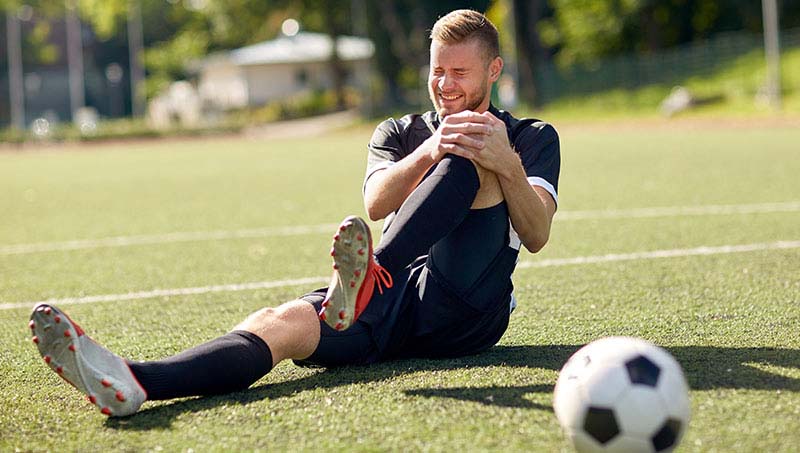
382	277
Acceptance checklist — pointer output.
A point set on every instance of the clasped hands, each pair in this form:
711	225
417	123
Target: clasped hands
480	137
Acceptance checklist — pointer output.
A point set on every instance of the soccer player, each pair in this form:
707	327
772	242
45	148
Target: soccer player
461	188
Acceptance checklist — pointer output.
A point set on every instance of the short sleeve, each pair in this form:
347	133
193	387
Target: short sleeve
384	147
540	151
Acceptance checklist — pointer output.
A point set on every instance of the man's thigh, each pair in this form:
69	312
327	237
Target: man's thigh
474	262
354	346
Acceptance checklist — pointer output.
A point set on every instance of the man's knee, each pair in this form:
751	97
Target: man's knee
291	330
490	193
294	312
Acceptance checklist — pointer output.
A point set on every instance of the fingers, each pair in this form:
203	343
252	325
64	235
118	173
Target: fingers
466	141
467	128
467	116
458	150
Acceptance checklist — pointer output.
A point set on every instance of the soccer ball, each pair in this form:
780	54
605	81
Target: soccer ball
621	394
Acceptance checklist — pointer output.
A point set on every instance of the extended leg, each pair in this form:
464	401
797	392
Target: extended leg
234	361
228	363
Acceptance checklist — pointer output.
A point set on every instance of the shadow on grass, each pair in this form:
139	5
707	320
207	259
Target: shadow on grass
705	367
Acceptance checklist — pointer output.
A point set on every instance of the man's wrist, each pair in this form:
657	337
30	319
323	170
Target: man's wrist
514	170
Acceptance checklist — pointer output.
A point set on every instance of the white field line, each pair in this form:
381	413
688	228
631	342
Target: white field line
677	211
138	295
197	236
655	254
191	236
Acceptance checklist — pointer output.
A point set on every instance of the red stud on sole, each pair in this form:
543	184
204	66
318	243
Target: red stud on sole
35	340
72	347
120	397
92	399
105	383
106	411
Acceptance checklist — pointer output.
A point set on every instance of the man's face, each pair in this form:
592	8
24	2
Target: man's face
460	78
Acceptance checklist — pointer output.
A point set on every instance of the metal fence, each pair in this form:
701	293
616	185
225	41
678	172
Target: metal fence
666	67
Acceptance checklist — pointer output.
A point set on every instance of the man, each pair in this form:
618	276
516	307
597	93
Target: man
461	188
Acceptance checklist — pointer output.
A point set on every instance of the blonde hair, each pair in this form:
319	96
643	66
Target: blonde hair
462	25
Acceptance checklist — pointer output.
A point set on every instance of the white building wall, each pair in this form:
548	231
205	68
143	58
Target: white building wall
227	86
223	86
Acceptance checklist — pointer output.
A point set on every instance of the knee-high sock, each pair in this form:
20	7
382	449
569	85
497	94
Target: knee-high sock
226	364
437	206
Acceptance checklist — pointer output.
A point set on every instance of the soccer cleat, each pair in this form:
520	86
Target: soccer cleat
355	275
101	375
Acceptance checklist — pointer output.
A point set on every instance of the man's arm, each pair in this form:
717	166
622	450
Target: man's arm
387	189
531	208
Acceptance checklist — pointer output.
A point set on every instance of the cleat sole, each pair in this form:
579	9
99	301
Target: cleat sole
64	346
350	263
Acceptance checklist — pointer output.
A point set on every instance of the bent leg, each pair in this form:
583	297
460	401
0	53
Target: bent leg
434	208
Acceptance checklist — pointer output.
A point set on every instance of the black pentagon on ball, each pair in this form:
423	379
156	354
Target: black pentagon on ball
666	436
601	424
642	371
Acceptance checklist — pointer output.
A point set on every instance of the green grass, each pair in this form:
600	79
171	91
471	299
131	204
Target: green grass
731	320
731	91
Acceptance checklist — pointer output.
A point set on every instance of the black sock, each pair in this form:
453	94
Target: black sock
437	206
226	364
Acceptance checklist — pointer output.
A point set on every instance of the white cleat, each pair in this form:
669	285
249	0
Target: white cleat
355	275
101	375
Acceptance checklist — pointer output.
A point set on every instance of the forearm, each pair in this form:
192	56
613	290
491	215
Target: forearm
387	189
530	209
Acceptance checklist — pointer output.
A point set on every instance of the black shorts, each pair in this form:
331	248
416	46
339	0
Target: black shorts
431	311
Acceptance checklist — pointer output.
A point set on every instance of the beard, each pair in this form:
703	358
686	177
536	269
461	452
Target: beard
471	101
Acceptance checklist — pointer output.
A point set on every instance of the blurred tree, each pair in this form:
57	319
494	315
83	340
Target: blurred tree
527	15
583	31
400	30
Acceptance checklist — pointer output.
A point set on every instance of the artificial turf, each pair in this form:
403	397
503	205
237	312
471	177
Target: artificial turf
730	319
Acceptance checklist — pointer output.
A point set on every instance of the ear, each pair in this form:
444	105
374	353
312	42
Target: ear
495	69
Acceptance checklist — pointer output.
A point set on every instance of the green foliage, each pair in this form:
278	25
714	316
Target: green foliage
582	31
317	102
167	60
587	29
733	88
41	49
106	16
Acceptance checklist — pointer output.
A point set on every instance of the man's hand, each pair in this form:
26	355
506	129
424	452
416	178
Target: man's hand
462	134
496	154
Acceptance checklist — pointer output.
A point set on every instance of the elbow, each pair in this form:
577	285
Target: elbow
374	211
535	244
374	215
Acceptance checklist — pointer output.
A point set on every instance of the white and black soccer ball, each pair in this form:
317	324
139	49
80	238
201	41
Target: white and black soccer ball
621	394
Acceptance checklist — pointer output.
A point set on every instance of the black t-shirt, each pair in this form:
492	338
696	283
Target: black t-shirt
535	141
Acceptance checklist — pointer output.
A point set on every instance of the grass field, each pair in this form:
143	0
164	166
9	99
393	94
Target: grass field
642	246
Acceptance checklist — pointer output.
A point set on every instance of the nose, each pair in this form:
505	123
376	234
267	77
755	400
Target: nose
446	82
